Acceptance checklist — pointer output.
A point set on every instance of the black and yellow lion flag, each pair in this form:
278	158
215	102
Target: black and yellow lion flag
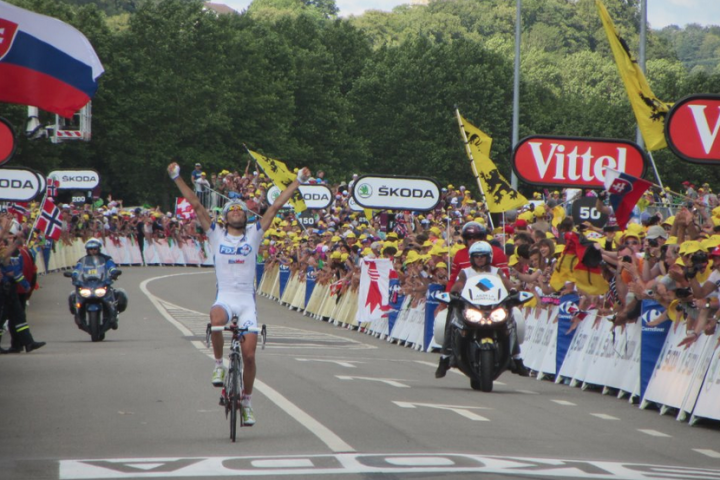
281	177
650	111
499	195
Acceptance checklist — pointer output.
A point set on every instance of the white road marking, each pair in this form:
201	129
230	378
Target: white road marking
461	410
653	433
604	416
709	453
564	403
394	382
342	363
333	441
395	465
528	392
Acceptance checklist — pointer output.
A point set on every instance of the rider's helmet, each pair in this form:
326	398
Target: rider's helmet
481	249
232	205
93	244
473	230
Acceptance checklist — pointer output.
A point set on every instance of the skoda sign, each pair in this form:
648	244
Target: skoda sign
316	197
76	179
396	193
19	184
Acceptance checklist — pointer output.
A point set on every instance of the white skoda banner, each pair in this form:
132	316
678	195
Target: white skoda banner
19	184
76	179
354	205
396	193
316	197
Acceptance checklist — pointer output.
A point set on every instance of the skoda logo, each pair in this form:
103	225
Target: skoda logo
364	190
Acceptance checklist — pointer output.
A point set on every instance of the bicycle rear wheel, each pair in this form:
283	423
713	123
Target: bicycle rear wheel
234	393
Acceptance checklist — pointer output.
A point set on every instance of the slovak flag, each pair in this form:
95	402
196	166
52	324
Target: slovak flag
45	63
49	222
625	192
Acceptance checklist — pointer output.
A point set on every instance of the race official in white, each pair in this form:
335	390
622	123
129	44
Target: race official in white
234	248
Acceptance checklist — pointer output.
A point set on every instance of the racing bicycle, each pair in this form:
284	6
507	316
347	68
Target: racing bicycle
232	391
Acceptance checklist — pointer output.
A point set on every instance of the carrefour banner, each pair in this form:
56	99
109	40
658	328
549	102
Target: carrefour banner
431	304
309	283
284	277
395	301
653	339
568	308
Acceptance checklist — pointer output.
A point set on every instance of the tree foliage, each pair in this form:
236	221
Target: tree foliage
373	93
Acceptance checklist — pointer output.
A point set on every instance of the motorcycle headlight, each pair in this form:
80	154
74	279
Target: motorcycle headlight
100	292
85	292
472	315
498	315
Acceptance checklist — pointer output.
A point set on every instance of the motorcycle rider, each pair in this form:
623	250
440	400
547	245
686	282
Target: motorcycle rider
481	255
94	257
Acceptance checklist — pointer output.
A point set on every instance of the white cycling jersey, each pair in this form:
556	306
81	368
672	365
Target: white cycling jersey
234	259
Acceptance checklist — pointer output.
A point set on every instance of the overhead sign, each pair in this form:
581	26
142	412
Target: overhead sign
76	179
316	197
584	210
575	162
19	184
7	141
692	128
396	193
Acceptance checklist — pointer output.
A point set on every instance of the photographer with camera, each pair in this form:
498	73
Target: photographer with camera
707	294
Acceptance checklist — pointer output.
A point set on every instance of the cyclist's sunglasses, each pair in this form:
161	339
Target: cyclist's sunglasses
234	208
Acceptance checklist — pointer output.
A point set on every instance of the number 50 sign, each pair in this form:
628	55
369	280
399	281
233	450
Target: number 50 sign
583	210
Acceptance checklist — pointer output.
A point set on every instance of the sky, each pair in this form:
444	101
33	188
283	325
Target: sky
661	13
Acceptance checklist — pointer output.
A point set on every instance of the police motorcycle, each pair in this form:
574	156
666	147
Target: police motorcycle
94	302
481	326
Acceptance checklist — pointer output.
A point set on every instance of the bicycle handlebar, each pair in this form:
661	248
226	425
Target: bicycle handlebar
262	331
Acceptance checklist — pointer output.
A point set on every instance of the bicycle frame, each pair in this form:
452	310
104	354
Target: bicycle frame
232	392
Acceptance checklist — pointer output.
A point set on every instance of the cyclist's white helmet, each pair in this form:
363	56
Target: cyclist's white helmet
93	243
479	249
229	204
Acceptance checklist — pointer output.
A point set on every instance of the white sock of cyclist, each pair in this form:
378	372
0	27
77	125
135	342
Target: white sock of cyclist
218	362
246	400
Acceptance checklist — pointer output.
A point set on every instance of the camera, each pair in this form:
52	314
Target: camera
683	292
653	242
627	259
698	260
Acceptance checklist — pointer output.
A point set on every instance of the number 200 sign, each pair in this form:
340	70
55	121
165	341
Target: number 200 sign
583	210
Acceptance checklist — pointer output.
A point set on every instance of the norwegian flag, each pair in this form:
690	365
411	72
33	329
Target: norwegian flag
49	222
19	210
52	187
183	209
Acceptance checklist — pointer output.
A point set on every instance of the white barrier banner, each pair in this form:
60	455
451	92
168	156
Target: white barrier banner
698	375
548	365
674	370
600	359
624	370
707	405
576	352
533	350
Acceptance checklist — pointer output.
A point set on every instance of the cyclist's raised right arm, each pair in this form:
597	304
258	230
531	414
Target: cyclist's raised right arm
202	215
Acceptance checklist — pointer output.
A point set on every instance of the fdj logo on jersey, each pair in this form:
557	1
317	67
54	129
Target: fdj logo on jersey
364	190
243	250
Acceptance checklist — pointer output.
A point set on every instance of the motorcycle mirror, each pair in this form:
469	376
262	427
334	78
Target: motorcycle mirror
443	297
524	297
67	274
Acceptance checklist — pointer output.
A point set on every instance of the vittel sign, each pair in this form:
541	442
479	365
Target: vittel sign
316	197
575	162
396	193
76	179
692	129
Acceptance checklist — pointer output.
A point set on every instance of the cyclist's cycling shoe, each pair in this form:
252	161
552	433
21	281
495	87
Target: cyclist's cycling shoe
248	416
218	377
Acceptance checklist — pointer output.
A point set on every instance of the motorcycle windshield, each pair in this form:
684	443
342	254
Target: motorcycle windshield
93	270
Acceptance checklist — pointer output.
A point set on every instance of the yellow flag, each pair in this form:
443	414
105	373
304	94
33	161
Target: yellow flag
649	111
558	213
499	195
281	177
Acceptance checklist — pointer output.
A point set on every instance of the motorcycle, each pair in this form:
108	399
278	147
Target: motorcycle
481	324
93	296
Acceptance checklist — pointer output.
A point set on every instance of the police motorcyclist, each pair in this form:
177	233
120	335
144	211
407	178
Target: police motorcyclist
95	258
481	255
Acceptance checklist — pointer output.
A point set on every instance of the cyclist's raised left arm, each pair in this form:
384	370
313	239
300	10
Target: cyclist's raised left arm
202	215
282	199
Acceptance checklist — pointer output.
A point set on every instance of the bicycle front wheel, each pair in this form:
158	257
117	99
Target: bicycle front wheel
234	395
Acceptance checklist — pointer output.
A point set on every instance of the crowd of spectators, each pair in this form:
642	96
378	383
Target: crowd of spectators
660	256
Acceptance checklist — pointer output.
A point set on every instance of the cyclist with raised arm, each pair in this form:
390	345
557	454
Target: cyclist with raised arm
234	249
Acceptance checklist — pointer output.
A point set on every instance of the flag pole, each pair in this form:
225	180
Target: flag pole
472	163
657	175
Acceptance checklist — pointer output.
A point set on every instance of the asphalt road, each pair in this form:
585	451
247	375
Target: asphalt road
330	403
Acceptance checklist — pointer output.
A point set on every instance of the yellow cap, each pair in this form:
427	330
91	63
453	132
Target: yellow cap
689	247
513	260
335	239
441	265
